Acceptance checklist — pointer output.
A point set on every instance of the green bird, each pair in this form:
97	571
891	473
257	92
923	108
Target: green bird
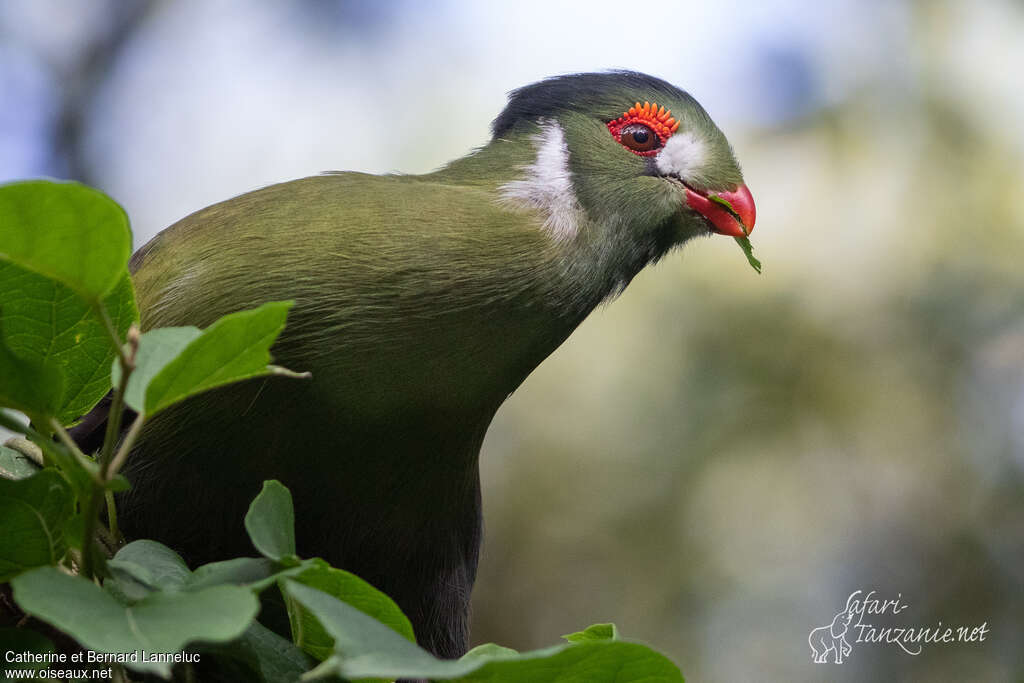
421	303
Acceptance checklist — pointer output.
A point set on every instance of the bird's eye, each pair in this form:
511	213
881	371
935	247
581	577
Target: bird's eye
644	128
639	138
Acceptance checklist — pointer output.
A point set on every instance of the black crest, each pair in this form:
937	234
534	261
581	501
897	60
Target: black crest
579	91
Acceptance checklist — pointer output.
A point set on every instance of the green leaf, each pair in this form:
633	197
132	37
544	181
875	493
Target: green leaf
727	204
175	363
365	648
272	658
27	384
152	564
270	521
594	632
74	531
34	512
490	651
255	573
46	321
81	473
15	464
21	640
157	348
748	250
744	241
596	661
370	649
143	567
65	231
118	483
307	632
160	622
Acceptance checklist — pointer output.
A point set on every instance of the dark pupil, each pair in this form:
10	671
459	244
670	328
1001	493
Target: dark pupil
640	136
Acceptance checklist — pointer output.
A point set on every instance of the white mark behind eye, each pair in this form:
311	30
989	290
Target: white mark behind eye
548	185
683	155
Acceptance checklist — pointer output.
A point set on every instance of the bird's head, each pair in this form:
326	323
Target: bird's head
626	150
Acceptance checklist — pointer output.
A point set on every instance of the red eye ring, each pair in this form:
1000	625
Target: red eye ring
650	116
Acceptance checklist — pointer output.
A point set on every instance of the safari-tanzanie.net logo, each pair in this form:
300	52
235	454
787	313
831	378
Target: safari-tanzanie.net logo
868	619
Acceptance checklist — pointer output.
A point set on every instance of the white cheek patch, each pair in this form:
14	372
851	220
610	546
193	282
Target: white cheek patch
684	154
547	185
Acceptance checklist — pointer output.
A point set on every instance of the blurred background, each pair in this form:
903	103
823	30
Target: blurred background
718	459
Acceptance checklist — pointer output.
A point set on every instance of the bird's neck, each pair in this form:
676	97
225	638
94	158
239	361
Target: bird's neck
595	257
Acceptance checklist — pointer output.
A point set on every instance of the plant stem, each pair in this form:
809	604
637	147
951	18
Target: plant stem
107	540
114	418
91	514
69	443
112	515
126	446
115	466
126	358
99	489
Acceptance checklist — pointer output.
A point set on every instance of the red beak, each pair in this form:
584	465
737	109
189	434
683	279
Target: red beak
713	207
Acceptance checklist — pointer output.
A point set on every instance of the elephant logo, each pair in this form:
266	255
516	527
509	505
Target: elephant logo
832	638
